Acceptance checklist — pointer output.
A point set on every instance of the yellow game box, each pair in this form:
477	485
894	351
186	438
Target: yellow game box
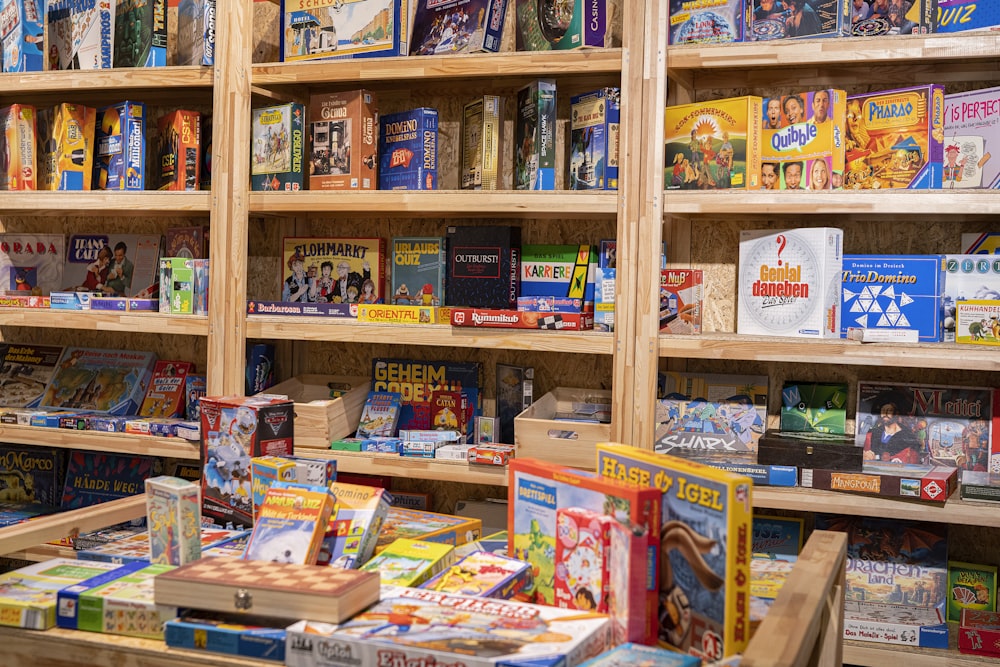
713	145
803	141
66	147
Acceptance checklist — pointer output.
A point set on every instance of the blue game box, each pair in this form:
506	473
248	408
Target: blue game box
236	635
120	141
893	292
407	150
593	157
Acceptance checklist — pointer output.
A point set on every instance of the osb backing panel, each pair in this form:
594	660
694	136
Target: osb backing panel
177	347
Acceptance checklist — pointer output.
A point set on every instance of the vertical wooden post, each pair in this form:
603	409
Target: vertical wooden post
230	184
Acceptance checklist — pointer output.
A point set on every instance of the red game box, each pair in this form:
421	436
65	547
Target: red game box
520	319
979	633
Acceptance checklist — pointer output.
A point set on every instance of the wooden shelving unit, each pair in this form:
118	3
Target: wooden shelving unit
63	204
84	320
116	443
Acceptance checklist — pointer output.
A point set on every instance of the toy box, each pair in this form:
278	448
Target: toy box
971	137
484	266
926	424
117	602
451	26
407	148
278	148
343	140
81	34
405	562
894	138
333	270
806	19
976	322
21	27
540	434
125	265
482	136
111	381
290	523
593	155
179	150
29	594
894	292
539	490
228	633
574	24
140	33
66	147
713	145
418	271
802	142
418	626
18	129
335	29
535	136
354	527
196	32
681	304
120	147
234	430
427	527
967	278
173	516
704	586
709	22
31	263
789	282
483	574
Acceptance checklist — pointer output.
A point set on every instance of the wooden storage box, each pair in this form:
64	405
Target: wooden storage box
540	435
319	419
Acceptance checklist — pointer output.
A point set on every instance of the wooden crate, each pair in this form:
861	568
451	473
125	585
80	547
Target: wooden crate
537	434
319	419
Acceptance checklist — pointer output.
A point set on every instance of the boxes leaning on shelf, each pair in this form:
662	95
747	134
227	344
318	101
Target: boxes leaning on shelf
564	425
327	407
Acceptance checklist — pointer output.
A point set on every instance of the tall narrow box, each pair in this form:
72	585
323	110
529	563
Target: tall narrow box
790	282
593	155
17	143
196	32
120	140
482	136
179	151
343	145
572	24
66	147
21	24
277	149
535	136
713	145
408	150
140	33
173	518
81	34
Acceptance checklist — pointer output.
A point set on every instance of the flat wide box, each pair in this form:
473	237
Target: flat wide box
539	435
470	33
933	484
313	30
709	22
320	419
286	590
219	633
495	318
810	450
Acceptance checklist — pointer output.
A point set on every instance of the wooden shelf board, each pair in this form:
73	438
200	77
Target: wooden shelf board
73	522
440	203
408	466
98	441
66	648
43	552
105	202
98	320
865	51
830	351
440	335
120	81
955	511
840	202
425	68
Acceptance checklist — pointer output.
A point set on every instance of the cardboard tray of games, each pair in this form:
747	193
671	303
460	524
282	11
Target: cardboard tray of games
327	407
264	588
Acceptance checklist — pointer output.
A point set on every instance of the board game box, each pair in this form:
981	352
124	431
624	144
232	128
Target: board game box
31	263
594	127
18	133
894	292
427	527
343	140
979	633
535	136
966	15
789	282
483	574
482	138
120	147
313	30
261	638
21	26
140	33
945	425
188	242
918	17
418	271
631	653
196	32
971	137
971	277
290	523
681	293
95	477
814	406
405	562
355	525
484	266
415	381
558	272
713	145
894	138
179	150
709	22
173	517
976	322
777	537
573	24
32	474
970	586
66	147
456	26
928	483
705	552
802	142
333	270
419	626
407	148
28	595
166	394
81	34
278	148
605	288
811	19
109	381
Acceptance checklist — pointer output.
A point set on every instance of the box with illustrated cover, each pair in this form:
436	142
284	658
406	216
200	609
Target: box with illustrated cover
535	136
427	527
802	141
708	22
483	574
140	33
594	123
31	263
967	277
251	637
971	136
333	270
120	147
457	26
32	474
605	287
713	145
558	272
405	562
290	523
908	18
28	597
314	30
419	267
18	131
354	528
343	140
482	137
179	151
196	32
123	265
681	293
979	633
109	381
976	322
574	24
970	586
21	27
173	516
408	150
66	147
81	34
277	149
966	15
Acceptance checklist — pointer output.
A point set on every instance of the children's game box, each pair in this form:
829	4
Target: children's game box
713	145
